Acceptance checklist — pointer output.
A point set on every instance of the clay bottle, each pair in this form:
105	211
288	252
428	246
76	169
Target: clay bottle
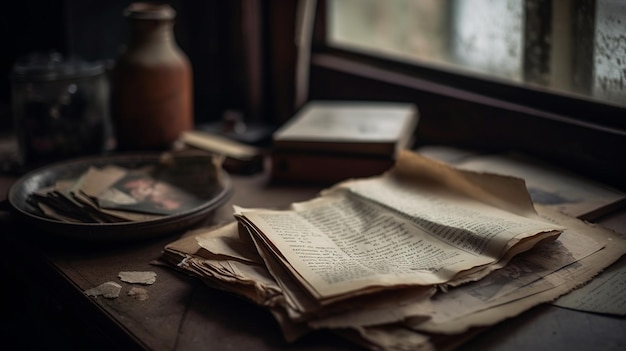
151	82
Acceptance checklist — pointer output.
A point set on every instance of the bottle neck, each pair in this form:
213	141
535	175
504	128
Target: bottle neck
152	32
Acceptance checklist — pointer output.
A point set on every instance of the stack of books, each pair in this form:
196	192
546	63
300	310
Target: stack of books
330	141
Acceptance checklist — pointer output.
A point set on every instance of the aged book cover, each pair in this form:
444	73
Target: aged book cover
325	168
356	127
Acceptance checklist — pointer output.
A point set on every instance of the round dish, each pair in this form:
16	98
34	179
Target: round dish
107	232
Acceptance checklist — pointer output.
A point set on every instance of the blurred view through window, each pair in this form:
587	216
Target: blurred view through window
574	47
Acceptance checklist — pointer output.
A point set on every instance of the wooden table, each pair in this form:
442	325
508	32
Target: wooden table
46	306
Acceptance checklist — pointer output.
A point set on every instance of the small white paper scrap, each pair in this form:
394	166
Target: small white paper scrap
146	278
110	290
138	293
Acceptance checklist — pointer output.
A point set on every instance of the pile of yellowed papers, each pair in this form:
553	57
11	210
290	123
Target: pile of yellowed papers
403	260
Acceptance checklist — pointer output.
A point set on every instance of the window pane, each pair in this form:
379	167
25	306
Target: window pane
401	28
576	47
487	36
610	51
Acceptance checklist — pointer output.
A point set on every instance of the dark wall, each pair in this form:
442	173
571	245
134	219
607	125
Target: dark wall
209	32
26	26
95	30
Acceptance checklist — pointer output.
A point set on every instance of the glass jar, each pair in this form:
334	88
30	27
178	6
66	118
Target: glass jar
60	108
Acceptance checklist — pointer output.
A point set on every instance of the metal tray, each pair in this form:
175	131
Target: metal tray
107	232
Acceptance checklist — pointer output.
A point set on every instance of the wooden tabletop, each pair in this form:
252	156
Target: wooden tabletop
182	313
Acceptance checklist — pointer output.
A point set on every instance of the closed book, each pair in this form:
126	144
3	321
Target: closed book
325	168
349	127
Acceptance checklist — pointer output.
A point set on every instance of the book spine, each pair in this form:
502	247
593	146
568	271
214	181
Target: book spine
325	168
382	149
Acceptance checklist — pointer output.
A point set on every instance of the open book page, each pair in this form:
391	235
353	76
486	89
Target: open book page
505	285
548	185
580	253
604	294
297	303
386	231
457	219
492	300
361	237
223	258
566	192
385	307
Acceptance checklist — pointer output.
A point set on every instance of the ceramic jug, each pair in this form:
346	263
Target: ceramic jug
151	82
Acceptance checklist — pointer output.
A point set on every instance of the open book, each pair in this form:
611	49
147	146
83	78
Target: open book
407	258
422	224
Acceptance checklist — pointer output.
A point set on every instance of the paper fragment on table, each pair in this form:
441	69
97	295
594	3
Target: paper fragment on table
604	294
134	277
110	290
138	293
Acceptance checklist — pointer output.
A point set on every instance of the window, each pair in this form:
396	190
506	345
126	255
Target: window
569	47
541	77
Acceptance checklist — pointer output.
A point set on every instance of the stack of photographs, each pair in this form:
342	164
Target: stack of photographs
111	193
